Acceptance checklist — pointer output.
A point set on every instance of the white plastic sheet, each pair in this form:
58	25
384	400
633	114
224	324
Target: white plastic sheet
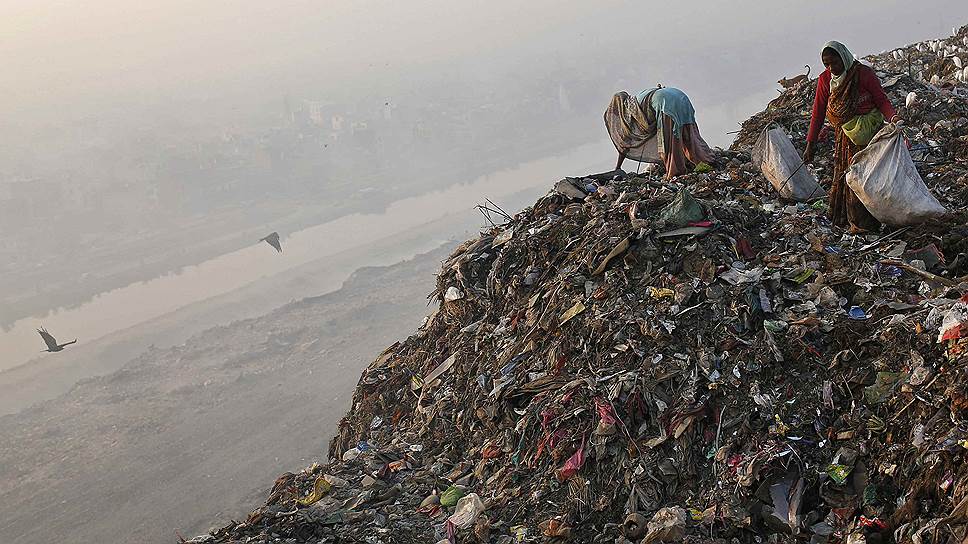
884	178
781	164
467	511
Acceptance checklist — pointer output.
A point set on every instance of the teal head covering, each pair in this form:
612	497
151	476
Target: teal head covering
845	55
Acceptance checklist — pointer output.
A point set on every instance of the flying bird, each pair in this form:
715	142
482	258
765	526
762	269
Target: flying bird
51	342
273	240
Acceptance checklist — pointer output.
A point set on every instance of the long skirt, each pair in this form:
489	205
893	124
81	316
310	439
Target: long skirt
846	210
676	150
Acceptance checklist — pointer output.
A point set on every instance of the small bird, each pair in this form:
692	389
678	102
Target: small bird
51	342
273	240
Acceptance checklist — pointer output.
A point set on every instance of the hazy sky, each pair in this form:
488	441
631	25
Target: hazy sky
92	53
127	67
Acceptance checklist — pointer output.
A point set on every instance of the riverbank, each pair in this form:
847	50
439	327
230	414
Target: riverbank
33	292
142	302
150	443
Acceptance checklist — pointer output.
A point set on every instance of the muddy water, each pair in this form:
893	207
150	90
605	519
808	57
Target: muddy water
127	306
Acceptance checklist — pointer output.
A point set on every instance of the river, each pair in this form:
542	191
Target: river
124	307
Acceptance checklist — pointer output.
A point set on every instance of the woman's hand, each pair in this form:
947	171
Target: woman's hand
808	153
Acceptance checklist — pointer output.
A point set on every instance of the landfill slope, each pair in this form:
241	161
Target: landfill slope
634	360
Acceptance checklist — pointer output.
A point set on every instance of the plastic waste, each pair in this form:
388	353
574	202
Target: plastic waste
667	525
838	473
567	188
453	294
320	489
682	210
578	308
883	387
781	165
668	363
439	370
468	509
884	178
336	481
451	495
351	454
555	528
572	465
953	321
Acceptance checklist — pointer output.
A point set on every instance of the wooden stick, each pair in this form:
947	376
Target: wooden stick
918	272
908	405
885	238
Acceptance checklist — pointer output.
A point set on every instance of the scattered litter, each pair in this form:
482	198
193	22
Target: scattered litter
657	362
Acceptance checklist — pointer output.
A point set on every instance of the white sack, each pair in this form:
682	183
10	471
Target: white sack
778	160
884	178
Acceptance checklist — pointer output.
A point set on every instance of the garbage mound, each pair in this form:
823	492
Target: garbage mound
633	360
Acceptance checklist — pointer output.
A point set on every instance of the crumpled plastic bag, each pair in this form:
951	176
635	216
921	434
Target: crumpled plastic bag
468	509
453	294
451	495
569	189
736	276
572	465
320	488
667	525
882	388
682	210
606	418
862	128
884	178
953	321
555	528
781	165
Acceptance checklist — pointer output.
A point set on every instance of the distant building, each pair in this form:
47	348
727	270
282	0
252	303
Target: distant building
315	111
321	114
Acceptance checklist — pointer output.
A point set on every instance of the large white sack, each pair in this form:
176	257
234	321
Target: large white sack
884	178
779	161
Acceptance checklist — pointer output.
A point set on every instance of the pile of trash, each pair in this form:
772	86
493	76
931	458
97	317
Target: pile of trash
633	360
